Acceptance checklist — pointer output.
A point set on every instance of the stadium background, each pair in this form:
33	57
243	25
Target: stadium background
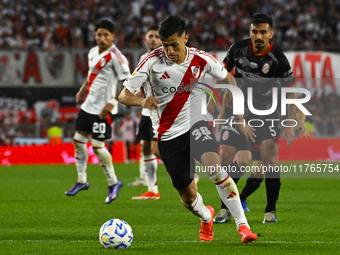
43	62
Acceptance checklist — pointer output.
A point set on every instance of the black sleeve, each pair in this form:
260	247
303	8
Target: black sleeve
284	72
228	61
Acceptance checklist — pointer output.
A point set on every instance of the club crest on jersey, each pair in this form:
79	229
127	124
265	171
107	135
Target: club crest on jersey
195	71
225	136
265	68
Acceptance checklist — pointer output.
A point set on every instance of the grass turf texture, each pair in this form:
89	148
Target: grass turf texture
38	218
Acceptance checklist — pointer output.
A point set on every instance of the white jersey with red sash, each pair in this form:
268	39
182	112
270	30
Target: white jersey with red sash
176	86
105	70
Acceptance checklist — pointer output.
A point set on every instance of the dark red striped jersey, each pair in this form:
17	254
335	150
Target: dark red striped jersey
262	73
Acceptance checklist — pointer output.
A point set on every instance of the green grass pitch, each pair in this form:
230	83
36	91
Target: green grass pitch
36	217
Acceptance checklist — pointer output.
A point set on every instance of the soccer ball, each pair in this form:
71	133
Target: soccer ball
115	234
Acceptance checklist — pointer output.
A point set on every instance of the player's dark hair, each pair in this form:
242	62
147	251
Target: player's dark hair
261	18
153	28
104	23
171	25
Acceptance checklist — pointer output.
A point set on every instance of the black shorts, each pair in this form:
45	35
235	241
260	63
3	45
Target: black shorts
230	136
100	128
145	130
179	153
267	129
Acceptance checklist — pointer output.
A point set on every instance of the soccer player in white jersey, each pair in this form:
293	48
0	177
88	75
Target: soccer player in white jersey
145	134
172	72
107	65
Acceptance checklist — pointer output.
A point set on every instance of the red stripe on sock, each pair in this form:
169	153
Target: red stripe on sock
96	148
196	203
218	183
146	160
78	141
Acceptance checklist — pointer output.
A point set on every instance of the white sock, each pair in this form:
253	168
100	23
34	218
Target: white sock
141	167
81	154
199	209
228	192
150	164
105	159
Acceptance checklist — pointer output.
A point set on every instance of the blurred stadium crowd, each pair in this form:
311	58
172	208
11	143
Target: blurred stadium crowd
212	25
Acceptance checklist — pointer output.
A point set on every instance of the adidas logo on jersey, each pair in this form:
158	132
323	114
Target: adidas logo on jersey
101	136
165	76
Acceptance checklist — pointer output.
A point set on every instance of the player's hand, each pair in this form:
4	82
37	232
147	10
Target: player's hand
302	129
107	110
80	96
289	132
245	130
151	103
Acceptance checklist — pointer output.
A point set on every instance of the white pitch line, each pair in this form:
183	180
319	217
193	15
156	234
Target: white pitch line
176	241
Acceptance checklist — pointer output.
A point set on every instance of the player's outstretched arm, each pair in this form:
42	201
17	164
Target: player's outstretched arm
128	98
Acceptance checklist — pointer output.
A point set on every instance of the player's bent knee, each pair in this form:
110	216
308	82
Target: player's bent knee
258	175
243	162
270	162
97	144
188	194
226	158
79	138
101	152
155	150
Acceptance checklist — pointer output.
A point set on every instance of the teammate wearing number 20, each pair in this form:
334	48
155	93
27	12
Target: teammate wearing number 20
106	66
